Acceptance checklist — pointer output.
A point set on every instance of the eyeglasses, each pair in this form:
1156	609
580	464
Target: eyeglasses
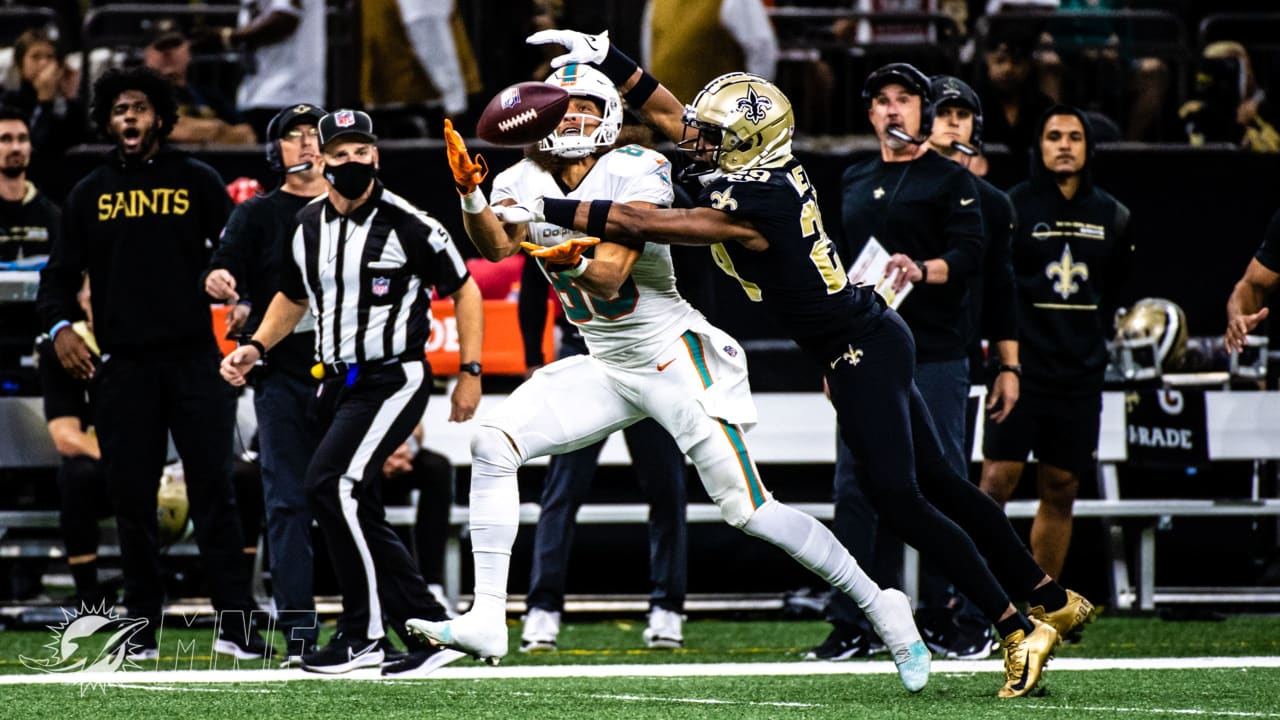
296	134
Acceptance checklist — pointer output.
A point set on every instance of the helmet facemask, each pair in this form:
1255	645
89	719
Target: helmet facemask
742	121
583	81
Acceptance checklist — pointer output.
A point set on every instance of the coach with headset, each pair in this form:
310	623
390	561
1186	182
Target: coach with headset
926	212
245	271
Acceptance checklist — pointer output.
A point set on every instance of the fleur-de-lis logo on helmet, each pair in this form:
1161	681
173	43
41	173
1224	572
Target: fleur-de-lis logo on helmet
754	105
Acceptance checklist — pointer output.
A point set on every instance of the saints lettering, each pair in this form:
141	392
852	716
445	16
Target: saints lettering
137	203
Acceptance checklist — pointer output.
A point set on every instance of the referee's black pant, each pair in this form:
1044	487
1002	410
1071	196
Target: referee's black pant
138	398
364	421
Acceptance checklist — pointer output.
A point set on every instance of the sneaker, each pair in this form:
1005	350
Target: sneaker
420	663
294	659
846	641
251	647
1025	657
665	630
1069	619
390	653
343	655
893	621
541	628
955	637
481	637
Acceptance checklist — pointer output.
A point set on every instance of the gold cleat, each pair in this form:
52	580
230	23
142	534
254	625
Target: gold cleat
1075	613
1025	657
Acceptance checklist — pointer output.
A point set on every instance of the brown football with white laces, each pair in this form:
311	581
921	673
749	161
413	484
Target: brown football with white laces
523	114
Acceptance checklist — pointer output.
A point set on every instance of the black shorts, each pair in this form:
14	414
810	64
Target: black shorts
1061	430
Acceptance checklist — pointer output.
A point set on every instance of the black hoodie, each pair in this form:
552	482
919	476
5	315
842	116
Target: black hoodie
1070	260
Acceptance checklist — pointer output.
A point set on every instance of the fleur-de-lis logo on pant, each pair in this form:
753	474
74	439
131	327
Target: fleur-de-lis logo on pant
1066	270
851	356
754	105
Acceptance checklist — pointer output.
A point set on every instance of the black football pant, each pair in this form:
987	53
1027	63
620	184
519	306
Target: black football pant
363	422
884	421
141	398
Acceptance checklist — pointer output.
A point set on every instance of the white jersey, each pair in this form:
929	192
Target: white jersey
648	314
289	71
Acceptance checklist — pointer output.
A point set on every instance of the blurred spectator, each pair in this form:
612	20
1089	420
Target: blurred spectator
686	45
1228	106
284	47
45	88
900	31
1011	99
29	221
203	115
415	54
414	467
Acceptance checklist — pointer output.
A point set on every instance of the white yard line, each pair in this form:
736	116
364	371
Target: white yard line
1114	711
476	671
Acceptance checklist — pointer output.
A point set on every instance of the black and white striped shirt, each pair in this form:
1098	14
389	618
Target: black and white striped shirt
368	275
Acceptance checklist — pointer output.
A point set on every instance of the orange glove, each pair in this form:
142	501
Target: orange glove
467	173
566	254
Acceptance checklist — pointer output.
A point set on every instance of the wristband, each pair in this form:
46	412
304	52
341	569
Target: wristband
598	218
578	269
617	66
474	202
640	92
262	349
1015	369
58	327
924	271
559	211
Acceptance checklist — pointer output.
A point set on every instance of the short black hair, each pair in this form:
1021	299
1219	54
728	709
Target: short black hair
9	112
143	79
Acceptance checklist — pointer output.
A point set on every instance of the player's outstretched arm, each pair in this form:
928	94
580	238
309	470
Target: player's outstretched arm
617	222
490	235
641	91
1246	306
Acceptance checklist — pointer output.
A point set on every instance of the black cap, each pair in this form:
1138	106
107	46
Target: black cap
350	124
164	33
299	114
948	90
904	74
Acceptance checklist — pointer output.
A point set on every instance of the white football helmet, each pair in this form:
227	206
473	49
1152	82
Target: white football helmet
585	81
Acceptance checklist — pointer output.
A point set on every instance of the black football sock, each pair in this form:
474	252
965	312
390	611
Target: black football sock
1012	624
1049	596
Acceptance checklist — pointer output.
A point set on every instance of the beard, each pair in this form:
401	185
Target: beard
13	171
553	164
150	139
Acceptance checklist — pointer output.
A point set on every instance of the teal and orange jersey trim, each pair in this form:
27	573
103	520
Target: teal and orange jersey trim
752	476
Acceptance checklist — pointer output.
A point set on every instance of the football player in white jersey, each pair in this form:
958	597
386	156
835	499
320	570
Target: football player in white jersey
652	355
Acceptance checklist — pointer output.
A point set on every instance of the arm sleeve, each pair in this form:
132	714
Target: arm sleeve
963	228
291	281
532	311
748	22
61	278
232	251
1000	301
1269	253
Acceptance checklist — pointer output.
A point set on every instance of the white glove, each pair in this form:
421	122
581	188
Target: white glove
520	214
582	48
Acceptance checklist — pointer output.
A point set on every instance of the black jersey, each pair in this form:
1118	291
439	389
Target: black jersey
799	277
1269	253
925	208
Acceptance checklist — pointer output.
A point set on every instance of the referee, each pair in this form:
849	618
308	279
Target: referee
364	261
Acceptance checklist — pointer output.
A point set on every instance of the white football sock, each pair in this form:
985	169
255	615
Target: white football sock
495	516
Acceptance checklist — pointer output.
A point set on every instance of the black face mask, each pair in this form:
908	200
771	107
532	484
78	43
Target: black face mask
351	178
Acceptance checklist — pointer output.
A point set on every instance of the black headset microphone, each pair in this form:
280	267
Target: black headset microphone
955	144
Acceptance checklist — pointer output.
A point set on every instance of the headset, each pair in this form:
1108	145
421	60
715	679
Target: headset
916	83
276	129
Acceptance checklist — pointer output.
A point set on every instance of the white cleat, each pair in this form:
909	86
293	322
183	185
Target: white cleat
895	624
469	633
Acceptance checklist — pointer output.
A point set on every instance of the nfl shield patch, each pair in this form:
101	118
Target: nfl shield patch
381	286
731	351
344	118
510	98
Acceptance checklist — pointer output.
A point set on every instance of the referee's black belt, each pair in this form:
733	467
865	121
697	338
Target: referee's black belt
330	371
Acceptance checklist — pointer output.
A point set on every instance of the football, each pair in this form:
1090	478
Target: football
523	114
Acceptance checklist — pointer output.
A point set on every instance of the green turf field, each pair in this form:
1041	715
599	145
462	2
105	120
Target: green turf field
602	673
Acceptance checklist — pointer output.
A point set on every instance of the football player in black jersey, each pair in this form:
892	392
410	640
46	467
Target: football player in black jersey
759	213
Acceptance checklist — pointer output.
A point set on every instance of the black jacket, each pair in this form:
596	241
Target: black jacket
144	234
926	208
253	248
28	226
993	295
1070	259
